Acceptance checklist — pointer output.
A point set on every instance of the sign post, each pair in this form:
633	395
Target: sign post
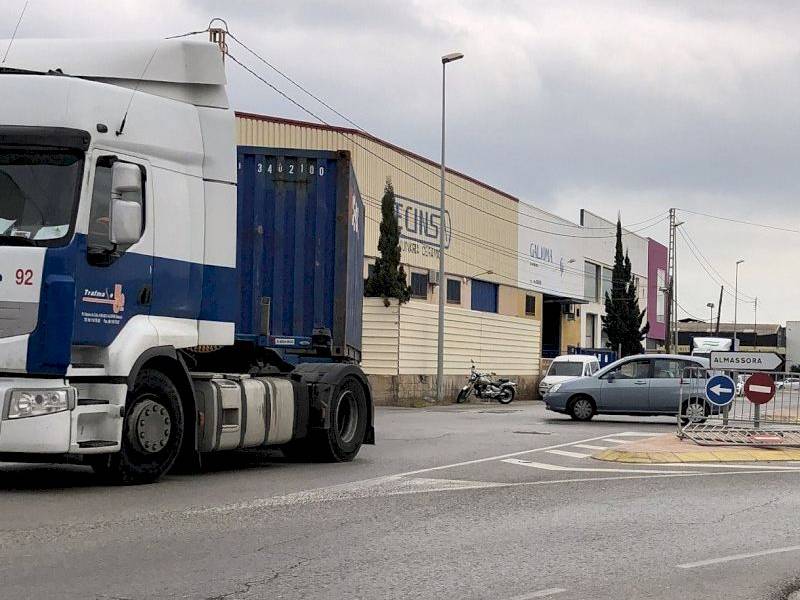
759	389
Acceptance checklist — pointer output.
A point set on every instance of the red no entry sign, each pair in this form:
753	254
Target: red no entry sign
759	388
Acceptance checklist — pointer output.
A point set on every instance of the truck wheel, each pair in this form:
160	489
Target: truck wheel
342	440
152	432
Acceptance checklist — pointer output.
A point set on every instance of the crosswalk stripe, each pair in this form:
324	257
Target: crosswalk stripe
614	441
635	434
570	454
590	447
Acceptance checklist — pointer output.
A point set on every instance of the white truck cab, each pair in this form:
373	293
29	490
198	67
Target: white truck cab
118	265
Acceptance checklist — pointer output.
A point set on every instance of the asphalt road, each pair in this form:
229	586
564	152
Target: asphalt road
482	501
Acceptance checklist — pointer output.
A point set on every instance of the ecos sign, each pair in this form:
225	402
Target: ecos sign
420	222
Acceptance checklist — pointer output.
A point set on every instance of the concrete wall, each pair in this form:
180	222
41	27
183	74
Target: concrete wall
400	343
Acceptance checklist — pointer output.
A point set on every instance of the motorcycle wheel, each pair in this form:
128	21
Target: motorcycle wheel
462	396
507	395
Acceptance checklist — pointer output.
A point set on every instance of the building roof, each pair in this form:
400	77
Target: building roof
695	326
377	140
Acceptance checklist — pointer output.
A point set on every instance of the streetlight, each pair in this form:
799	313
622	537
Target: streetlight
736	301
710	305
447	58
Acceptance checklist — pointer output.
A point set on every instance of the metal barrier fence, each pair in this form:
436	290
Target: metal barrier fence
763	409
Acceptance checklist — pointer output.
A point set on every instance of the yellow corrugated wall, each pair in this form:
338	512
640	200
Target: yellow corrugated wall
403	340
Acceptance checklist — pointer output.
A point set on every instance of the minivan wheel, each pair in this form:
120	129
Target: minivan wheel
694	411
581	409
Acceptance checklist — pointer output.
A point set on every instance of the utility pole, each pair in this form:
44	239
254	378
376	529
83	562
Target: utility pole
672	270
719	306
671	279
710	306
448	58
755	325
736	302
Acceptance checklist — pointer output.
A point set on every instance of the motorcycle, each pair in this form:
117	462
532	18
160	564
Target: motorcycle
486	387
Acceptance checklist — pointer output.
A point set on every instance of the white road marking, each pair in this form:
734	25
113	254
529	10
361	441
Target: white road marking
501	456
548	467
635	434
363	489
540	594
731	466
590	447
732	557
568	453
613	441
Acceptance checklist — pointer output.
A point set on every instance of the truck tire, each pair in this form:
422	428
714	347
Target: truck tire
152	432
342	440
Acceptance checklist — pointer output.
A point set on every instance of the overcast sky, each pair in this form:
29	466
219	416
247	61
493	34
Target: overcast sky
610	106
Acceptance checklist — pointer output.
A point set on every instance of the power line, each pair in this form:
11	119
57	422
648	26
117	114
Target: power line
415	178
539	289
690	240
725	289
762	225
412	159
507	251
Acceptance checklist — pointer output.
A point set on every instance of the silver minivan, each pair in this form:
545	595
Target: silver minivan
645	384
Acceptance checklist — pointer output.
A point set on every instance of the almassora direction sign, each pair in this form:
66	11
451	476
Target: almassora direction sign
753	361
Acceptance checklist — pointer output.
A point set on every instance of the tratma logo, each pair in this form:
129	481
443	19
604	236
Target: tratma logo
420	222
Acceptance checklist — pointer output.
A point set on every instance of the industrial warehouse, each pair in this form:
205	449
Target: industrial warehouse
523	285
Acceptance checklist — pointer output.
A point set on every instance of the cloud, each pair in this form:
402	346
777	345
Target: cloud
611	106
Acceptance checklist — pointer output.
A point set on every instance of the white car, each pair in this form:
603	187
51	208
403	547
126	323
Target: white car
566	367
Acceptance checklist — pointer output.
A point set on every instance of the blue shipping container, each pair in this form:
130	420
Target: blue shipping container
300	251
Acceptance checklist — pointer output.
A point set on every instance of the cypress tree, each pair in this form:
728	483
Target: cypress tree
623	319
388	278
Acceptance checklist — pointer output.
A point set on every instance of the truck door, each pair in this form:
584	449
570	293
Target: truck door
113	282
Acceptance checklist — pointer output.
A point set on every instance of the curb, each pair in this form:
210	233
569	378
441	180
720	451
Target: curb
722	455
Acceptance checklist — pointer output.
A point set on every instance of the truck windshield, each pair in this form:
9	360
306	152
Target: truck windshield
38	195
566	369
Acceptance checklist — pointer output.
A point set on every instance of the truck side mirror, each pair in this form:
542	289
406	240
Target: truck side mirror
125	211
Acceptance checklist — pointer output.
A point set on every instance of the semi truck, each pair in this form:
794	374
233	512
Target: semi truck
164	293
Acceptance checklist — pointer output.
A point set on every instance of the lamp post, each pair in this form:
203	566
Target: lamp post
447	58
736	301
710	306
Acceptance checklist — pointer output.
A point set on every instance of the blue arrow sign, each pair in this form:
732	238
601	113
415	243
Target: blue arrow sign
720	390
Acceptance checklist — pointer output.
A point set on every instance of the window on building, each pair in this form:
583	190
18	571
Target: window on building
484	296
661	300
530	305
591	325
606	285
454	291
419	285
591	281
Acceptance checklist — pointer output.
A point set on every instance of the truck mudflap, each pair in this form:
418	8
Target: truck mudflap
315	384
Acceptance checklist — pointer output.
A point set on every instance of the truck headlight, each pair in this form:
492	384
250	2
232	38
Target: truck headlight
32	403
554	387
